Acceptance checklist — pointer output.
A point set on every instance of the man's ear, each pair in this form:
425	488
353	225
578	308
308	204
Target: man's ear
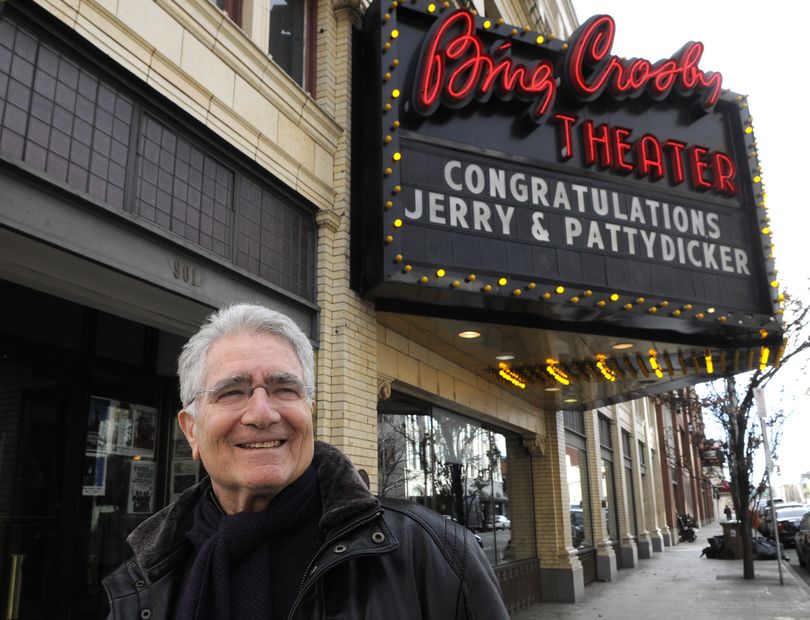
189	427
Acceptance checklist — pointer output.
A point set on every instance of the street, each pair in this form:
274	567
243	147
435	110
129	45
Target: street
793	562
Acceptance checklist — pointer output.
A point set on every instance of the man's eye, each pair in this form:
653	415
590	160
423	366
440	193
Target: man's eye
230	395
287	393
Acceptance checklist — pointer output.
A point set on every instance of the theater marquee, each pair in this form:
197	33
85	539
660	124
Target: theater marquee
551	179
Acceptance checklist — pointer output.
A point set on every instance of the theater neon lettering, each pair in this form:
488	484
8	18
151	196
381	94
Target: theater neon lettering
612	147
589	69
455	67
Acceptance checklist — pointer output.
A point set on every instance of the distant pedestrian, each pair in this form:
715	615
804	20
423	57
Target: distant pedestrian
728	512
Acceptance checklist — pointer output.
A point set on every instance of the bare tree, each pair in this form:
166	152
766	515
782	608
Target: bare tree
731	403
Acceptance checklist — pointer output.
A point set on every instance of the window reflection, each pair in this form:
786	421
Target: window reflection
476	476
287	36
609	500
579	497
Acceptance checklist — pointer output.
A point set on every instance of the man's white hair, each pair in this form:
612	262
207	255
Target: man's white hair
232	320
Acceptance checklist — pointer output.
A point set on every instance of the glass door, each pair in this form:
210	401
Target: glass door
33	413
122	469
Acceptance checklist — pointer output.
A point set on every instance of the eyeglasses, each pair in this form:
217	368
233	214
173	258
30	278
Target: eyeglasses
235	396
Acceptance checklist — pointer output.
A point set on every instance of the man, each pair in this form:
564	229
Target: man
284	527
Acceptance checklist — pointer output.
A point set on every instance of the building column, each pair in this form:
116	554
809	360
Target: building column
346	413
561	575
606	569
628	551
644	542
662	480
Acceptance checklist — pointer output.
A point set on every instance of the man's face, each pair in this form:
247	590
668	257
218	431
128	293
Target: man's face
254	451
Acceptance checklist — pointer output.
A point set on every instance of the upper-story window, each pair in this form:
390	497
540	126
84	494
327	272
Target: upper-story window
285	38
287	31
233	8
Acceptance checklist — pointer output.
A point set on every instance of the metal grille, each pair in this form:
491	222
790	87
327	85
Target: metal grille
183	189
276	240
61	119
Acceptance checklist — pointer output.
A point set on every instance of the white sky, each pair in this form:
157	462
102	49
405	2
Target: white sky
755	45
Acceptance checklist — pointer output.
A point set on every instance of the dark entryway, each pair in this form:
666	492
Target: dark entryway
86	412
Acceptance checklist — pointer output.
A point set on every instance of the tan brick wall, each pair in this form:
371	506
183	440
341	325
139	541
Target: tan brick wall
551	500
347	359
410	364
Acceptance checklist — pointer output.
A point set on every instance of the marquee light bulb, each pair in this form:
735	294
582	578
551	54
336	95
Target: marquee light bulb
487	288
394	34
539	40
397	223
502	281
560	290
440	273
614	297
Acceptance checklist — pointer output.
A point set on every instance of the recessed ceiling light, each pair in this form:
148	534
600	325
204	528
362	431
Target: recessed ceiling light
505	357
570	400
552	389
469	334
621	346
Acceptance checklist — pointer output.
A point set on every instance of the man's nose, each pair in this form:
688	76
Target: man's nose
260	410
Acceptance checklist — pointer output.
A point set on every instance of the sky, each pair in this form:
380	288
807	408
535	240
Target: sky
755	45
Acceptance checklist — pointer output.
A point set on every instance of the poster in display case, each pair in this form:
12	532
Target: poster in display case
95	475
141	495
116	427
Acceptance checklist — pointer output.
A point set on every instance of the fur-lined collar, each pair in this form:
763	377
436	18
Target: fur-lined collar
344	496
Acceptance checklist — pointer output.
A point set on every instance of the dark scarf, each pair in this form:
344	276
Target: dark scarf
250	564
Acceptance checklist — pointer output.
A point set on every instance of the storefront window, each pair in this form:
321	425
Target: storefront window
579	498
471	474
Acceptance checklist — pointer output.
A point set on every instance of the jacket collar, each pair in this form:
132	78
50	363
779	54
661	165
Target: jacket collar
344	497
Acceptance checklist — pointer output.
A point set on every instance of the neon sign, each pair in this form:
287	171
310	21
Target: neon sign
589	69
454	68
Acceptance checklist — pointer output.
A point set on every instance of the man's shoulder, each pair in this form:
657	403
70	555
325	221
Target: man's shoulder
419	522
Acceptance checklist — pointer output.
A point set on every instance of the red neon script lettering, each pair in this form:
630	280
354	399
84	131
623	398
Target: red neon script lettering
453	69
589	69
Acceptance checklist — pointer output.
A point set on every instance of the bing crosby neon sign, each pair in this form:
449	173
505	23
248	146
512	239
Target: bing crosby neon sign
454	67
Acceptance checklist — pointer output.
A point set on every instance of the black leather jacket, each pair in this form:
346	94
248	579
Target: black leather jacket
382	559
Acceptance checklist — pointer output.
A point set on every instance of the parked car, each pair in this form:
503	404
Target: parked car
577	526
802	540
788	519
502	523
764	510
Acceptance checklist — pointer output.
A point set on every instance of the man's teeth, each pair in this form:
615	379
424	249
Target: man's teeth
263	444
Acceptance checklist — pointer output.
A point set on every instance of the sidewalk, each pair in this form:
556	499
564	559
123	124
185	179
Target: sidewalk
679	584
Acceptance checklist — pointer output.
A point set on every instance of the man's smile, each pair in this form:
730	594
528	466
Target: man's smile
261	444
